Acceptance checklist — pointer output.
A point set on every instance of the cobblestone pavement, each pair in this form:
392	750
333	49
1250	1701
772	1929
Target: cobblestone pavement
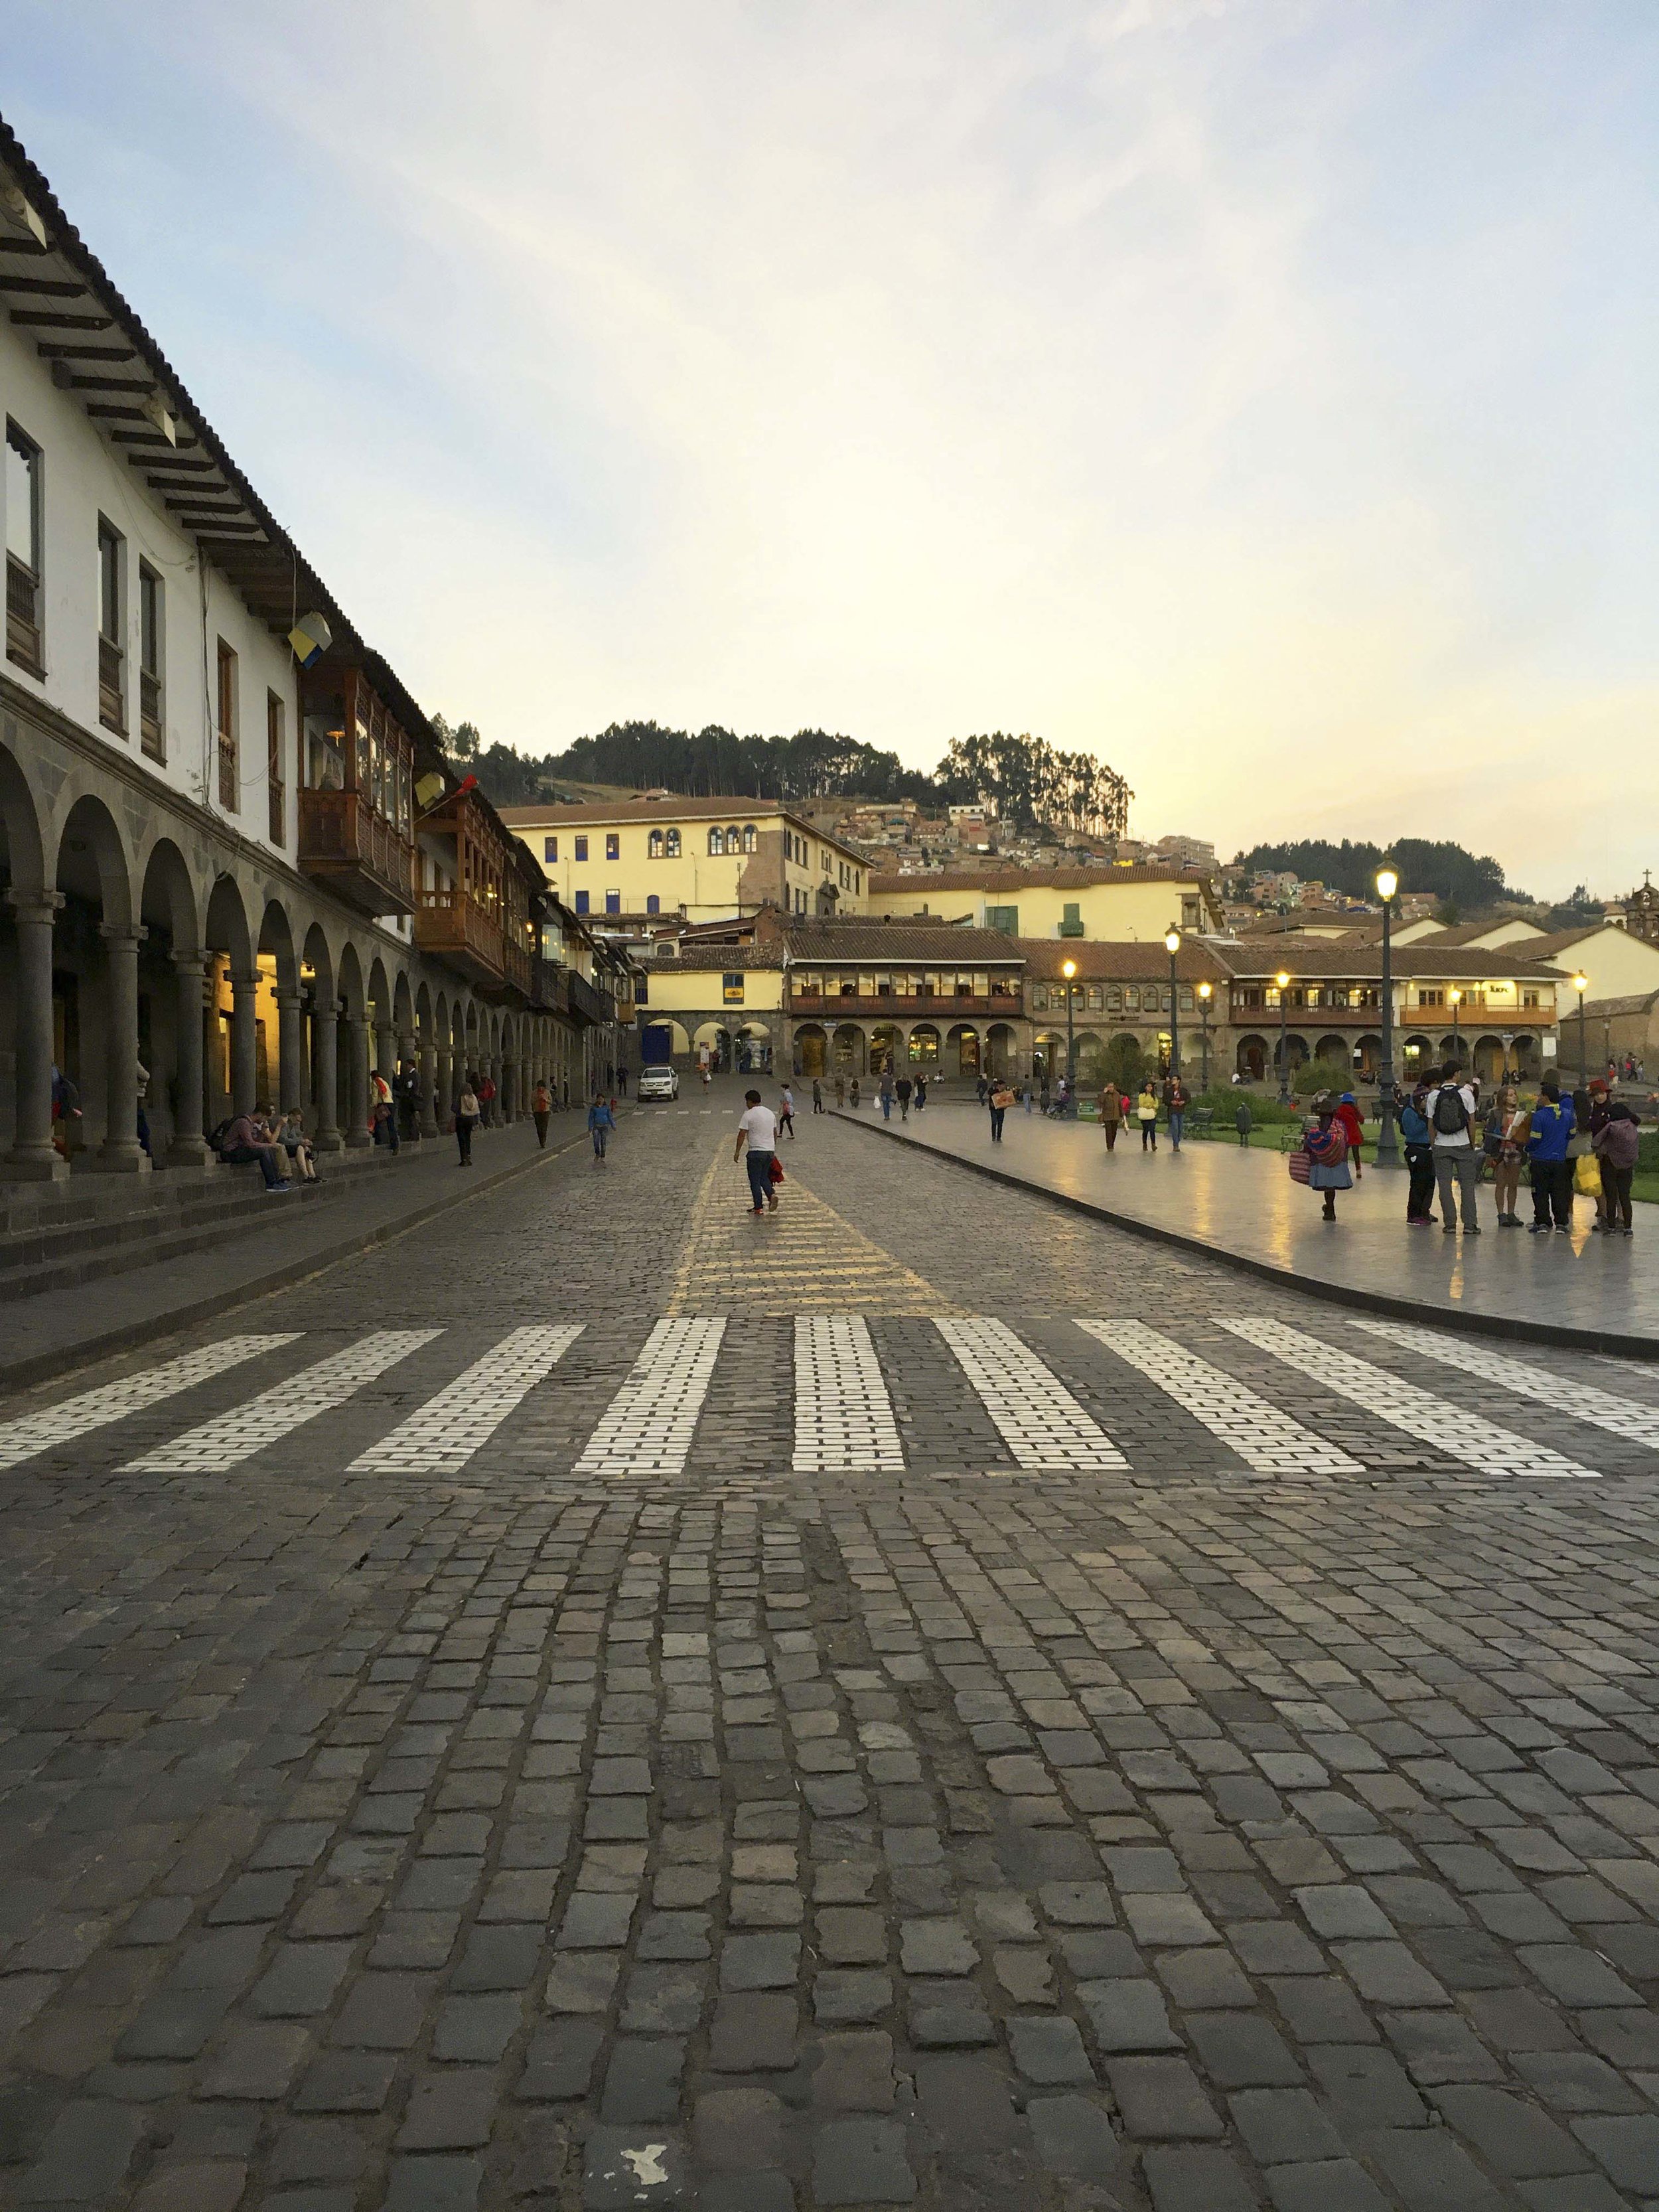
606	1702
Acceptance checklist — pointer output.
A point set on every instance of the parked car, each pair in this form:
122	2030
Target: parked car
659	1082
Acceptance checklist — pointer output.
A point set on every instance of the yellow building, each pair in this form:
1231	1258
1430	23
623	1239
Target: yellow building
724	1002
701	859
1121	905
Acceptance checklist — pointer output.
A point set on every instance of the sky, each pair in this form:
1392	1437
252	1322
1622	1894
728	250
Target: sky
1257	394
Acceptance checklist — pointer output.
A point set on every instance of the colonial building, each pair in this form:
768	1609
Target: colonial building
236	863
637	861
1116	904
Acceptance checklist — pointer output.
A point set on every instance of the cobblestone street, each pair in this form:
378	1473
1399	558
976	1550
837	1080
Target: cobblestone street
925	1699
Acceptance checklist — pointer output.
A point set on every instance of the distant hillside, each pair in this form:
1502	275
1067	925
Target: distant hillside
1028	781
1456	876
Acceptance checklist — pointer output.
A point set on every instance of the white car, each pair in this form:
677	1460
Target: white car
659	1082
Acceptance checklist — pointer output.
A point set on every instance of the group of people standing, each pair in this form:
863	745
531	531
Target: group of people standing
1450	1136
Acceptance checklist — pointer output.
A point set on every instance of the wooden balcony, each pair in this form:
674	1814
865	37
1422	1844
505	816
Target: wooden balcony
914	1007
456	929
589	1003
356	852
549	986
23	615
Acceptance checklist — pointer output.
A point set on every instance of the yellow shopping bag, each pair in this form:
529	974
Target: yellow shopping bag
1587	1176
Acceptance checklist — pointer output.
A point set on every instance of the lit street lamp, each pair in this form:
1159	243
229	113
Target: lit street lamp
1204	991
1580	984
1068	969
1284	983
1388	1150
1172	945
1456	998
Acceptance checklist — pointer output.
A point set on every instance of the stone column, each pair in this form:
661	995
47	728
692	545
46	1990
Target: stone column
325	1075
290	1052
121	1152
428	1121
244	1074
189	1146
32	1157
358	1036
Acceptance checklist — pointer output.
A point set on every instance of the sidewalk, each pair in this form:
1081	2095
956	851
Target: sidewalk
61	1329
1599	1294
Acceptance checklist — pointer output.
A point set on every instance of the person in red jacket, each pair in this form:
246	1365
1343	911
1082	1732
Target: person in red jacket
1348	1114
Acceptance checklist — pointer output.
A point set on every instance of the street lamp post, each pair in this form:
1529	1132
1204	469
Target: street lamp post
1284	983
1580	984
1172	945
1388	1149
1456	998
1068	969
1204	991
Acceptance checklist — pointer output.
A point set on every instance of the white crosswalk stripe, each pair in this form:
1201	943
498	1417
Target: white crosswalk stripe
1602	1409
1263	1436
1035	1415
648	1426
843	1415
231	1437
444	1433
1456	1434
113	1402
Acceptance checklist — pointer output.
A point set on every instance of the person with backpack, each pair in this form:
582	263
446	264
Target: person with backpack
1449	1110
1549	1132
1325	1143
1617	1143
1418	1139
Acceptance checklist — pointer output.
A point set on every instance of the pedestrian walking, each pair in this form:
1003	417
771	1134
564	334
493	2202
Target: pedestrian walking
1617	1143
817	1095
854	1099
1353	1128
1549	1132
841	1091
1502	1140
487	1101
600	1122
1418	1139
1147	1114
902	1092
1001	1099
621	1082
541	1108
1043	1096
143	1088
1450	1108
1109	1107
886	1092
1242	1121
982	1089
1026	1092
1324	1141
466	1121
787	1111
1175	1102
921	1094
757	1128
383	1122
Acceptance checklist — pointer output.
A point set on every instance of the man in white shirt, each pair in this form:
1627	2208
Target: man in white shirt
1449	1110
757	1128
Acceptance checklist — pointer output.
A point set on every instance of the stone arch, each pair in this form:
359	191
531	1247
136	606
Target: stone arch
319	1001
999	1050
1416	1053
170	1008
355	1045
1049	1054
22	842
91	862
963	1050
1090	1058
1251	1057
166	900
849	1050
94	985
811	1049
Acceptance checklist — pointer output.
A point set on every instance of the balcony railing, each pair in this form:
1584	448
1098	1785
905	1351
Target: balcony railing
342	840
589	1003
23	615
913	1007
111	691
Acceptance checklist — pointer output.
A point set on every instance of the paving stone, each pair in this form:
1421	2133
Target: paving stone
839	1998
1627	2147
1049	2051
1365	2087
1280	2126
346	2082
257	2062
453	2110
1196	2181
643	2082
1241	2051
1327	2185
1072	2136
740	2128
85	2156
855	2073
559	2063
861	2162
434	2184
1203	1980
1430	2172
1161	2099
759	1962
936	1946
583	1982
1127	2015
851	1935
477	2029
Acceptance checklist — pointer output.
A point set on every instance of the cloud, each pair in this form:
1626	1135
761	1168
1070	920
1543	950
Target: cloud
1242	393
